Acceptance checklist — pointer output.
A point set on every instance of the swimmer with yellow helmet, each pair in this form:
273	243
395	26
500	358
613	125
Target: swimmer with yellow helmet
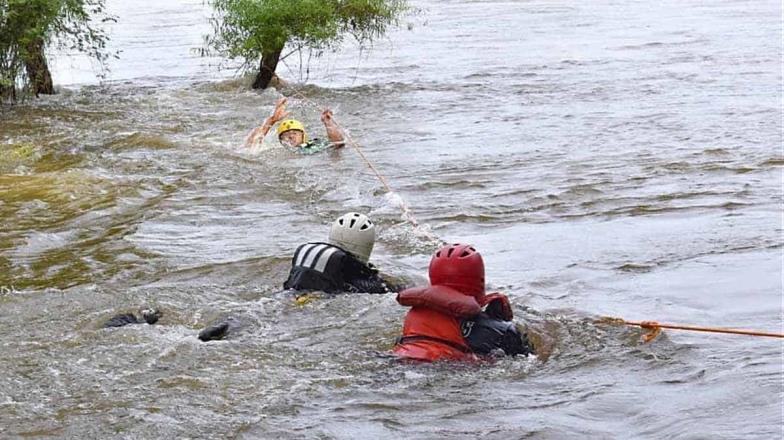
291	133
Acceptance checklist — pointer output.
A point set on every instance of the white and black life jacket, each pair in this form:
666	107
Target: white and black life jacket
326	267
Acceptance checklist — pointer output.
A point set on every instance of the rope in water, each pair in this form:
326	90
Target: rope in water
653	325
407	214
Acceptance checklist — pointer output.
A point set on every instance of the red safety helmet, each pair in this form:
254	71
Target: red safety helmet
460	267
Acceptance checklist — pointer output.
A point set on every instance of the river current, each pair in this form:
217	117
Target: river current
615	158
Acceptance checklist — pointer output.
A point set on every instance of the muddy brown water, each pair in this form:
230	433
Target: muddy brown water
608	158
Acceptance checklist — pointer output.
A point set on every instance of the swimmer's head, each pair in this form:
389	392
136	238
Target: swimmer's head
460	267
291	133
355	233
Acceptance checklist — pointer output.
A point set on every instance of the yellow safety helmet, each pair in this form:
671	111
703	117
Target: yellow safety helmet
292	124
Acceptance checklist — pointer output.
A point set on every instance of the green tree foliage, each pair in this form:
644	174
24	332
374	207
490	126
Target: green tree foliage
258	30
27	27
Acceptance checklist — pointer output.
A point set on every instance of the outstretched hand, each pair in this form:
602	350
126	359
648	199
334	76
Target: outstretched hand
326	117
334	133
280	112
257	134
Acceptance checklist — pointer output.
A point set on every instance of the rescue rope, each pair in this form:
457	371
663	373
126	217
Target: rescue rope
407	214
655	327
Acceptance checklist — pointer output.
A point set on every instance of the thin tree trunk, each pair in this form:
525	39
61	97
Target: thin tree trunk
269	62
7	93
38	70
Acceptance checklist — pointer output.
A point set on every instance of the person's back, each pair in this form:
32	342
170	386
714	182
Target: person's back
447	321
341	265
430	335
317	266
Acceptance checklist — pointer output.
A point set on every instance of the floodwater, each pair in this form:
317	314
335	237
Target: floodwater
607	158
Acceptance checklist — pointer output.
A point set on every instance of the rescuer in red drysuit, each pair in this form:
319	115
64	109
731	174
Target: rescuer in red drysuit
453	319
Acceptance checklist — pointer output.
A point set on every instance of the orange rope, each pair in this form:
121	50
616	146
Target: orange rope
653	325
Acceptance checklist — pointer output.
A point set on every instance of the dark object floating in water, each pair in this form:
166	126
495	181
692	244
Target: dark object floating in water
214	332
150	316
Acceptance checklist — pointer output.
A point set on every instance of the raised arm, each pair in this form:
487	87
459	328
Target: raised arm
258	133
334	133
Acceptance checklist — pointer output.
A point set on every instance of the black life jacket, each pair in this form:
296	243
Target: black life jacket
326	267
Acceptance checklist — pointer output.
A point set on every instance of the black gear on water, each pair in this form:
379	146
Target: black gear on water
214	332
486	335
122	320
328	268
317	266
149	316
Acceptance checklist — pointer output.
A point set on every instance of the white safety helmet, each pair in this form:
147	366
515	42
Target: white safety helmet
355	233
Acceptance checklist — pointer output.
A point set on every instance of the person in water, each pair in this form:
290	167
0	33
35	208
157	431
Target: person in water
291	133
339	265
453	318
342	263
